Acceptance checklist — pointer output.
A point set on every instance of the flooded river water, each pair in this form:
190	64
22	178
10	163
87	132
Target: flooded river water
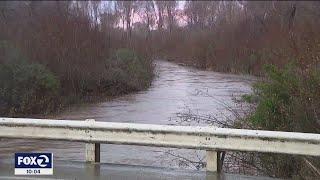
174	90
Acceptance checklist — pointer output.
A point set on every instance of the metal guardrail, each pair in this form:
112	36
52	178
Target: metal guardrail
211	139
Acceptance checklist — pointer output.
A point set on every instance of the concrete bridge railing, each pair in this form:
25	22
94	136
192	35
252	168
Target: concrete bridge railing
211	139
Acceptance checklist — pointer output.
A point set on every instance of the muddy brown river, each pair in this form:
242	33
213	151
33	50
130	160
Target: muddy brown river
176	89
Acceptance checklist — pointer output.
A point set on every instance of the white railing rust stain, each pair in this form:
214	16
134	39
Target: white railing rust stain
211	139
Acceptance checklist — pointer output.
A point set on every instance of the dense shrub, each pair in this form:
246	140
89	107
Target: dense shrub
27	88
287	100
128	71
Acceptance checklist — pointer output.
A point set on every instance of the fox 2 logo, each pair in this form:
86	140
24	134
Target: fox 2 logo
33	164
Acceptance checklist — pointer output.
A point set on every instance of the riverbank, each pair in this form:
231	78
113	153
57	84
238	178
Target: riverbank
284	99
33	89
287	100
54	54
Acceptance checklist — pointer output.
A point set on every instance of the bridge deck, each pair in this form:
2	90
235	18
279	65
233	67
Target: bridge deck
80	170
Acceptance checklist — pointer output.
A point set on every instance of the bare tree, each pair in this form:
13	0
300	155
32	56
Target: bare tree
160	8
127	9
148	14
95	11
197	12
170	7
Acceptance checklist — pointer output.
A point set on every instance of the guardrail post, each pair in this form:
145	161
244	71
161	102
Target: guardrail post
92	150
212	158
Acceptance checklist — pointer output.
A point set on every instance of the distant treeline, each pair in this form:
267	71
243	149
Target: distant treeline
228	36
241	36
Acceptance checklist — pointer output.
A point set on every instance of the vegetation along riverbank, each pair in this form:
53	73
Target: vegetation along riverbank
53	55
